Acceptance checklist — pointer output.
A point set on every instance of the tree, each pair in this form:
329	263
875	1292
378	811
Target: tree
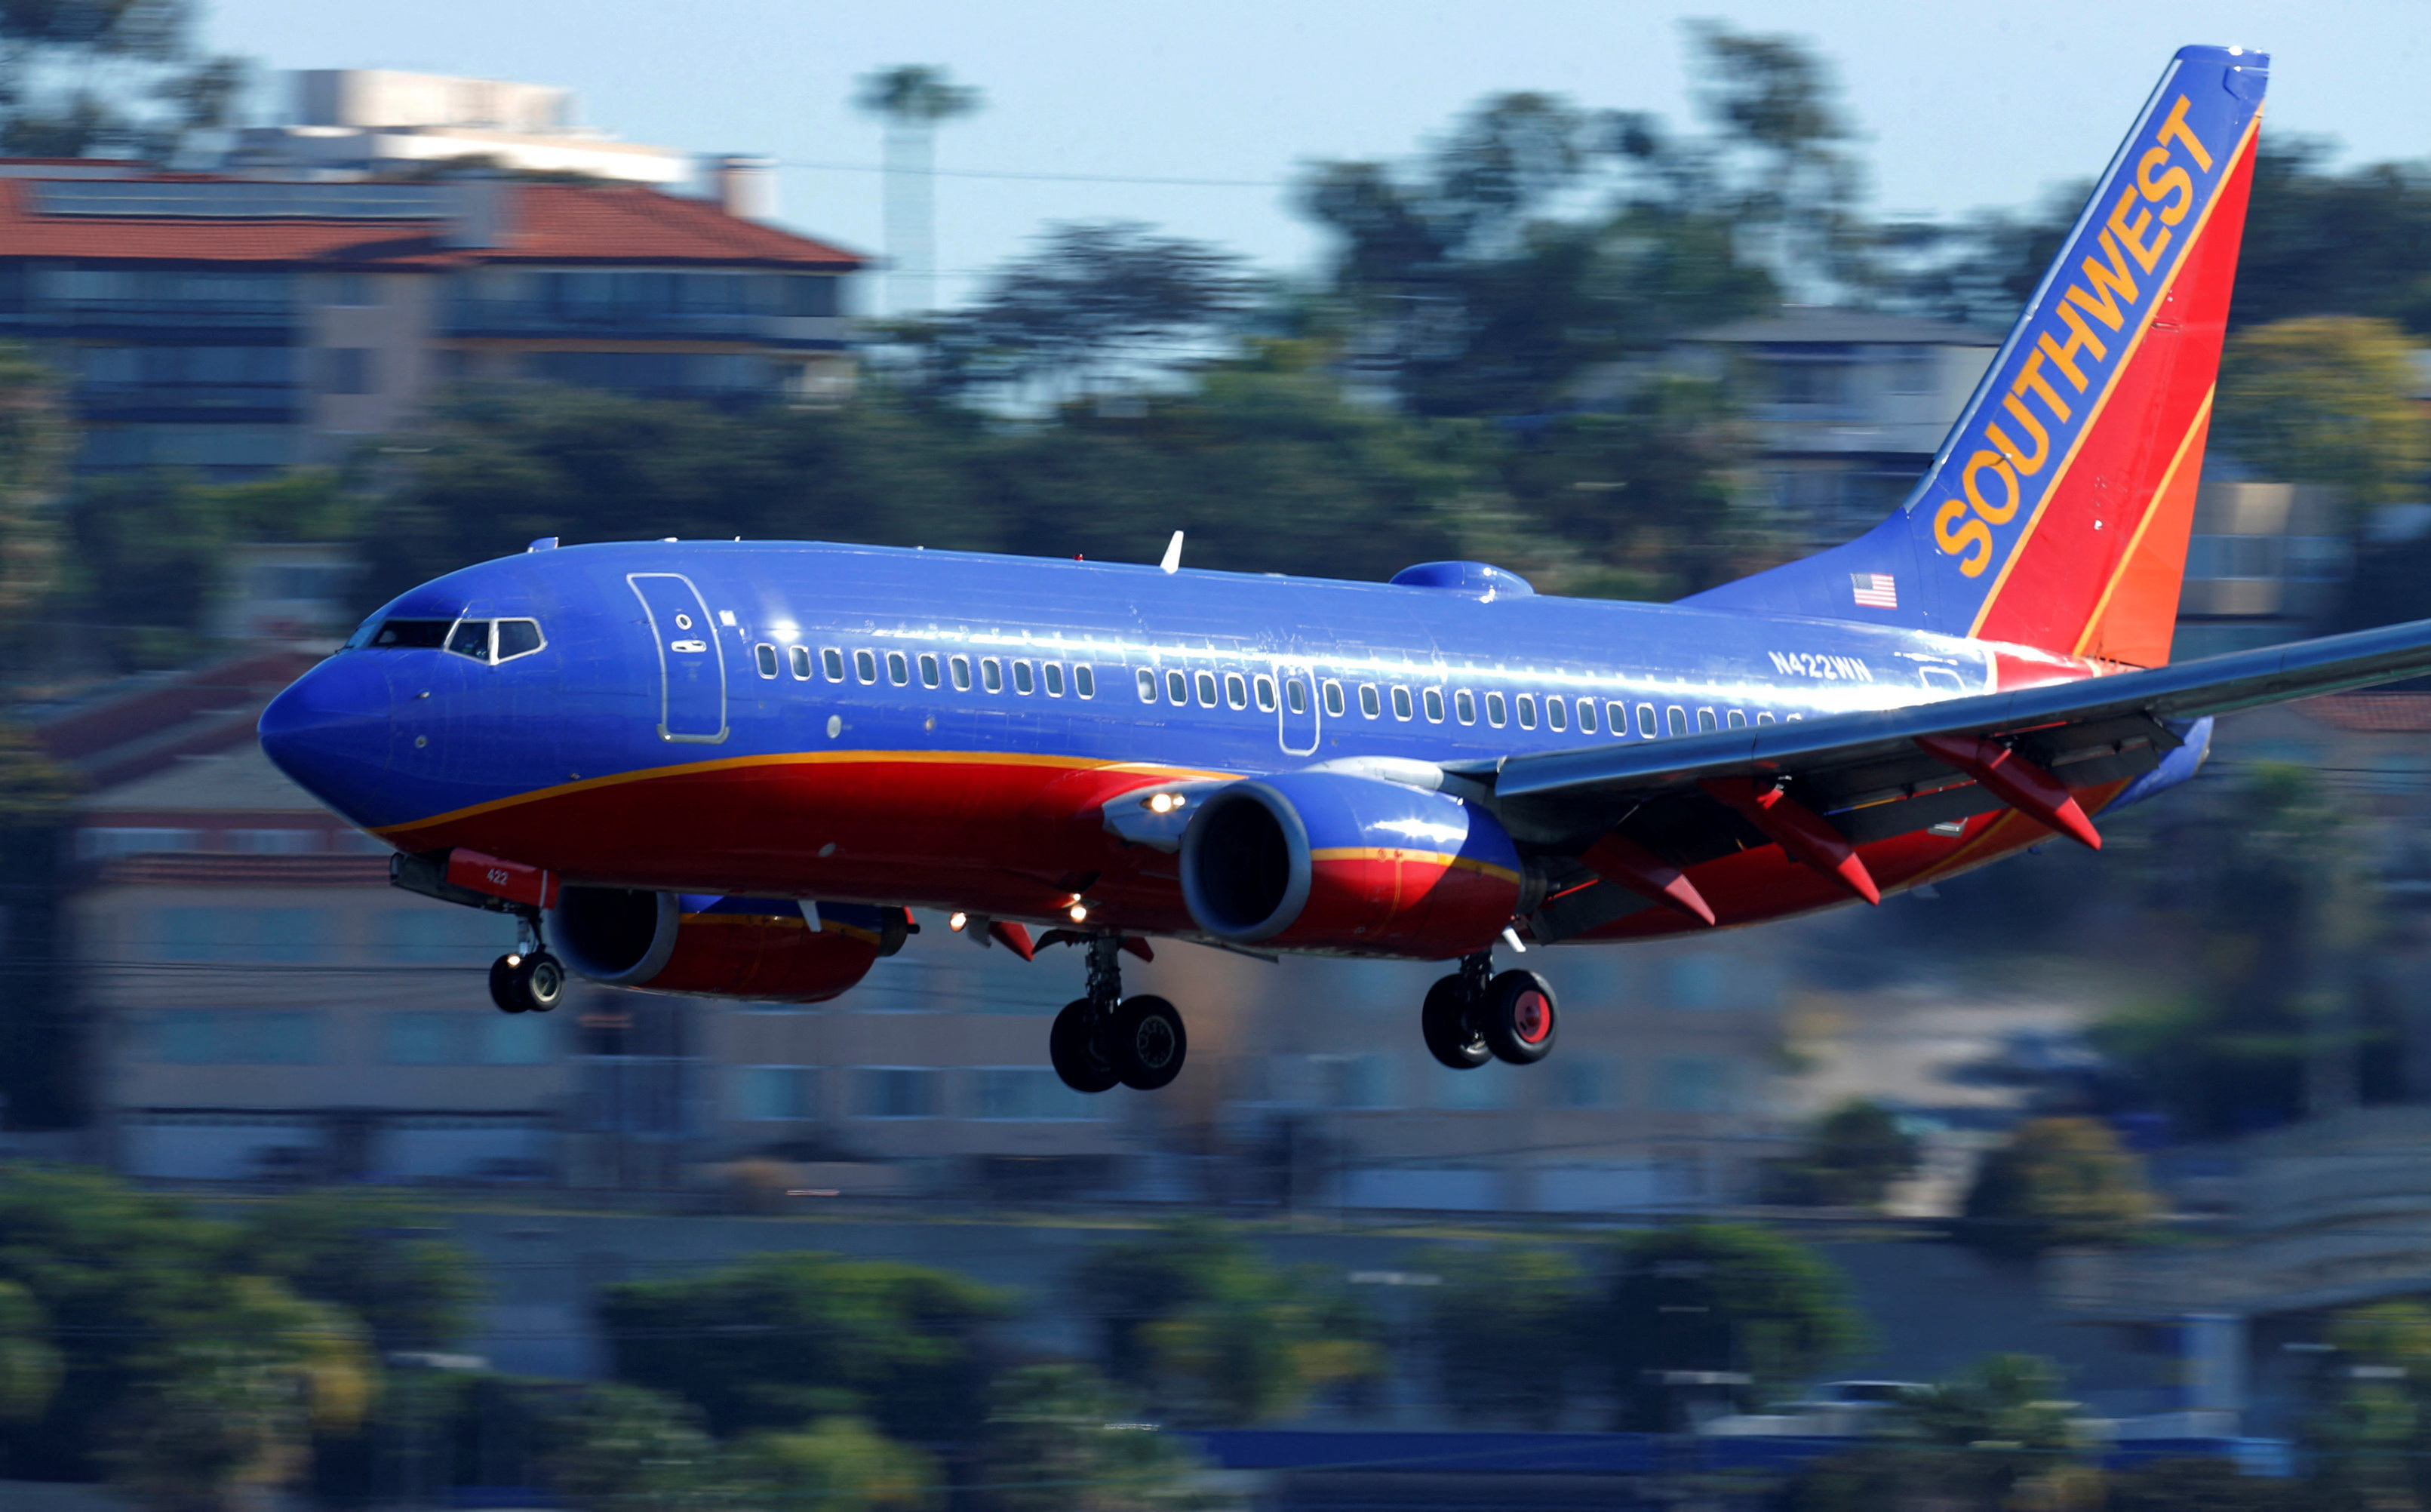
41	1039
1854	1154
838	1465
1211	1335
2205	1484
912	100
108	77
1506	1327
35	440
1096	300
2056	1182
625	1449
773	1341
2371	1430
1772	100
373	1254
1056	1442
1723	1299
2326	400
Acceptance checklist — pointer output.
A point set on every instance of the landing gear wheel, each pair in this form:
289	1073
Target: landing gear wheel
1147	1043
1072	1049
1518	1017
532	984
1450	1032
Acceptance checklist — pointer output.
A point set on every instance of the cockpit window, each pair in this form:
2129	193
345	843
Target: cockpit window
420	634
471	638
518	637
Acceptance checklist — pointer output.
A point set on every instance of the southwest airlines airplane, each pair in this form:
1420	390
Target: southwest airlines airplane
734	768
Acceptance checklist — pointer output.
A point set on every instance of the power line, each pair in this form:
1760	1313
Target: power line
1047	177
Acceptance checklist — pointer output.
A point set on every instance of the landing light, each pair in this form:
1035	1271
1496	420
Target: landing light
956	921
1164	802
1080	913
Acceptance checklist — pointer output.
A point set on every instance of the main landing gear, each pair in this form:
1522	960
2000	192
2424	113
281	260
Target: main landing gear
1106	1038
1474	1015
527	980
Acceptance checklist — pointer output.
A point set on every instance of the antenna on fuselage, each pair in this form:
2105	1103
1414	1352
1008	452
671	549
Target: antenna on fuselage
1172	562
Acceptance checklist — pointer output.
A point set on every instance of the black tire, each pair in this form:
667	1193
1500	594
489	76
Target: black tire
1081	1064
543	977
1451	1030
1147	1044
1520	1019
503	990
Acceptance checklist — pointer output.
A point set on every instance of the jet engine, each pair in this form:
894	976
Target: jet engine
769	948
1333	860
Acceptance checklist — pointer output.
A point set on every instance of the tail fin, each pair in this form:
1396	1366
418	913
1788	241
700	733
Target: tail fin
2056	512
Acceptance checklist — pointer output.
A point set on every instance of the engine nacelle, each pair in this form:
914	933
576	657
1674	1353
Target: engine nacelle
765	949
1332	861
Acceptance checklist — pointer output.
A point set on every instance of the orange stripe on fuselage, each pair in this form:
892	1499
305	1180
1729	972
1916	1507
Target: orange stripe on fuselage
1438	858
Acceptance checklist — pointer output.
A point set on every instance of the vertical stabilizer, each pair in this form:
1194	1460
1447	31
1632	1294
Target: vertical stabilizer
2058	510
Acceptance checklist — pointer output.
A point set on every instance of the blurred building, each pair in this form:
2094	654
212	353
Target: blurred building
2264	566
1849	406
234	325
369	120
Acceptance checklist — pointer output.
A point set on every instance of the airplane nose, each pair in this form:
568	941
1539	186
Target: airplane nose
330	731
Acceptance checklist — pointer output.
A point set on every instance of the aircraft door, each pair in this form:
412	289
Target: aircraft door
692	664
1298	712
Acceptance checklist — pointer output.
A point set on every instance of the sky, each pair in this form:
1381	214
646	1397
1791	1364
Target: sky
1958	106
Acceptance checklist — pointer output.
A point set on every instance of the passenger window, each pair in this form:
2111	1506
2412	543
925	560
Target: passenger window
1615	718
1705	719
1739	720
1021	679
833	660
1586	717
801	657
1464	707
1495	711
1054	671
865	662
1207	690
471	638
1763	718
991	675
1400	703
1177	687
765	655
961	666
1265	694
1369	704
928	670
1084	680
1435	705
518	637
1557	713
1527	711
1147	685
1334	704
1677	718
899	671
1646	725
1236	690
1296	694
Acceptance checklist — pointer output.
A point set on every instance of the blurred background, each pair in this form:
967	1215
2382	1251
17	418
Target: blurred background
2085	1182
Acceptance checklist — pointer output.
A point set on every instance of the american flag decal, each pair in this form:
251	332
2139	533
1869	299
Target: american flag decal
1874	590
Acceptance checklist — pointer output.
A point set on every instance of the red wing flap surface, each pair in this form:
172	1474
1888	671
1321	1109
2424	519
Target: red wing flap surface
1798	830
1617	858
2018	782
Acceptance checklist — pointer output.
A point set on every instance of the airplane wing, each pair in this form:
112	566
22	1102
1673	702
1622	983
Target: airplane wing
1636	814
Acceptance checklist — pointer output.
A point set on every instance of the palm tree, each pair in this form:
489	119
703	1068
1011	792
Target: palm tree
911	99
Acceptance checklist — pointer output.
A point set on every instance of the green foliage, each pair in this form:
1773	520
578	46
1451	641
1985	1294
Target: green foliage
373	1254
1997	1437
30	1364
1057	1441
1508	1328
1211	1334
35	791
2056	1182
839	1465
2326	400
35	440
625	1449
2206	1485
2371	1428
775	1341
107	78
1854	1154
1720	1297
910	94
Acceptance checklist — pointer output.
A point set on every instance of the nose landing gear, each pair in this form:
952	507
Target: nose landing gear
1473	1015
1104	1038
527	980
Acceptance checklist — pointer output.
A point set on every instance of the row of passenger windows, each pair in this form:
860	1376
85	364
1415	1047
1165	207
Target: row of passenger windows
1236	691
1027	676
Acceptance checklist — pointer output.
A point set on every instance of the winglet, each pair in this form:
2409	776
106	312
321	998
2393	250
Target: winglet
1172	562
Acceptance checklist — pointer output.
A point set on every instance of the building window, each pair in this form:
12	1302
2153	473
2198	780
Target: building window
348	370
236	1037
354	291
1693	1083
1583	1081
1026	1093
773	1094
896	1092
